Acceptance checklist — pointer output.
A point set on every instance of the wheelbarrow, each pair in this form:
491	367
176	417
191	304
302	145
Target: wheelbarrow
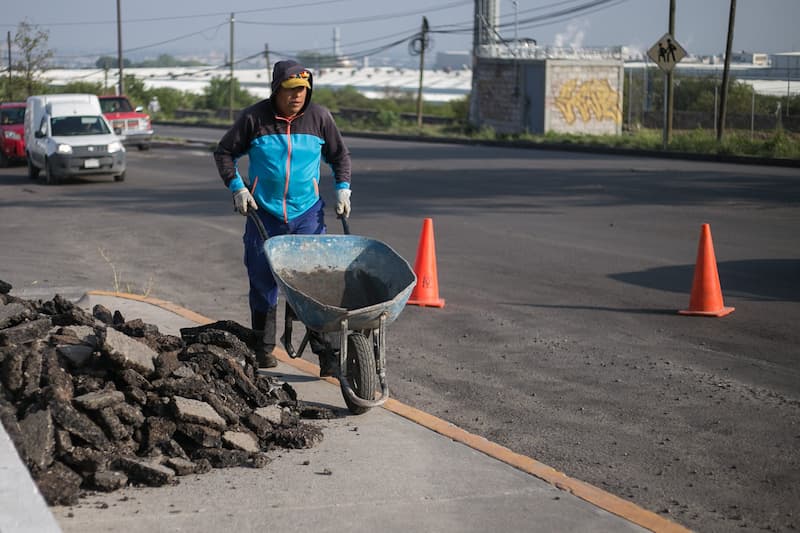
348	284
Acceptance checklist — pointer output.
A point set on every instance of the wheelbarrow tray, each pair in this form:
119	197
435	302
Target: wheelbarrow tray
329	278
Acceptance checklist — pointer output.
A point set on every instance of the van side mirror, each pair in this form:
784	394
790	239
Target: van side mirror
118	131
39	134
139	109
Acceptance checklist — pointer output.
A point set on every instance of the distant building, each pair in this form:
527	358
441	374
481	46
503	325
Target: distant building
453	60
750	58
787	61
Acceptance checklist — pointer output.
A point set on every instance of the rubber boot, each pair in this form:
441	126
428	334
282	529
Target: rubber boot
328	355
264	331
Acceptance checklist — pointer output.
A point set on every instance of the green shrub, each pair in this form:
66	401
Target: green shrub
387	118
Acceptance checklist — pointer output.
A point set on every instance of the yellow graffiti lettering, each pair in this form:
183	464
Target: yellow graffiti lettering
593	97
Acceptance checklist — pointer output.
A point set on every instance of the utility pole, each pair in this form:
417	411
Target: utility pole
230	85
269	70
670	89
8	89
423	45
516	25
723	100
630	98
121	85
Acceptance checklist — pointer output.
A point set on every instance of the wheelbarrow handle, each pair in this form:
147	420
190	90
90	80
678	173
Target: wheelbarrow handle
262	231
345	224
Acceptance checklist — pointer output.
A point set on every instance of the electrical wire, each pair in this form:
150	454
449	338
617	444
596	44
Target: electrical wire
544	20
184	17
525	23
370	18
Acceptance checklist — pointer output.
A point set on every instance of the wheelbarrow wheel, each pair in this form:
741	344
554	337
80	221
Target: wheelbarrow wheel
361	372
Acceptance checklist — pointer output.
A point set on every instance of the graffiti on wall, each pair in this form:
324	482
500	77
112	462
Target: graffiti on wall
591	98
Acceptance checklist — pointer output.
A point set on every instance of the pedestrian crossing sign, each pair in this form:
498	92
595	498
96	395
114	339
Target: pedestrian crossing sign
666	53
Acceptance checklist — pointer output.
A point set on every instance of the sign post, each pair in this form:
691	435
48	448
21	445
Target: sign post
666	53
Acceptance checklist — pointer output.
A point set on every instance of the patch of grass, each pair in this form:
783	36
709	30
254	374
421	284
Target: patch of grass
120	285
778	144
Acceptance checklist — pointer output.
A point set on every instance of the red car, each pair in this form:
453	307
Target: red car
132	125
12	133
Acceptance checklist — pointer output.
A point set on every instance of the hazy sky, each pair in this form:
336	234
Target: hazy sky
201	27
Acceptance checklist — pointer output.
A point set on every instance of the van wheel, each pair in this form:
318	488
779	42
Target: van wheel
119	177
49	177
3	160
33	170
143	147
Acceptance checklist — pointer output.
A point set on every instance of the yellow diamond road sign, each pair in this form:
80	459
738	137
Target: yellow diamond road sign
666	53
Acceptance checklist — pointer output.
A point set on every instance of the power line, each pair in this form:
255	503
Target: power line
182	17
353	20
465	27
542	20
370	18
217	27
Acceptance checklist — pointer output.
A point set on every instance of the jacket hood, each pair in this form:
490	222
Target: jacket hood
283	70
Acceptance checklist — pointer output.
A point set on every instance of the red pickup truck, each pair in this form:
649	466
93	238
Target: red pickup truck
12	133
132	125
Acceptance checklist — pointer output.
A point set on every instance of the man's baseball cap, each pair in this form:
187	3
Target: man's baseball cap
297	80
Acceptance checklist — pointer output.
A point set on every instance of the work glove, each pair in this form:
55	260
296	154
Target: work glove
343	202
243	200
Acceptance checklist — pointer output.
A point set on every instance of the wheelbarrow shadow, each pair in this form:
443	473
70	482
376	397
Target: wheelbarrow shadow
287	378
292	378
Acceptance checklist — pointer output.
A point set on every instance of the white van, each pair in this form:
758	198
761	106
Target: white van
67	135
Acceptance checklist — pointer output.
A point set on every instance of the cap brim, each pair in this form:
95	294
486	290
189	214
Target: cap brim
291	83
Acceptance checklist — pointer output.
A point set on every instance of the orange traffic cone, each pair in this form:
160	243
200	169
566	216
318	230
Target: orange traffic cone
706	298
426	292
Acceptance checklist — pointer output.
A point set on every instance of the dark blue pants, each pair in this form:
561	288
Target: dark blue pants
263	289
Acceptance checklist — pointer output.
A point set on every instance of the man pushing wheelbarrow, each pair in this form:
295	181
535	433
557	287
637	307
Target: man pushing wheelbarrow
285	137
338	284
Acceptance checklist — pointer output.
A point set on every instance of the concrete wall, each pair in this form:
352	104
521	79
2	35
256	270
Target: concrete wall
500	99
584	97
537	96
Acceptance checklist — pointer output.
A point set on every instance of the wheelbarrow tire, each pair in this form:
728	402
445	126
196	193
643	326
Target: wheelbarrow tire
361	372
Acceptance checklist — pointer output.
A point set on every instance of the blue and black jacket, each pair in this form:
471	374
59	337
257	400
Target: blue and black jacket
284	153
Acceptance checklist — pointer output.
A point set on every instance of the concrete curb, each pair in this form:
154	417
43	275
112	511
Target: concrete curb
23	509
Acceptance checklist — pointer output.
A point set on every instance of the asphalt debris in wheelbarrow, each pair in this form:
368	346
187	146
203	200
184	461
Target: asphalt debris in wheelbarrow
348	289
96	402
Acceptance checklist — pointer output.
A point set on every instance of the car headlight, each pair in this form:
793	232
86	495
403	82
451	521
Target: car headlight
64	149
114	146
12	135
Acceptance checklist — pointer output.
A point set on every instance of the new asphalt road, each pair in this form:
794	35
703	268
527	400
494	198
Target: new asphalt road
562	275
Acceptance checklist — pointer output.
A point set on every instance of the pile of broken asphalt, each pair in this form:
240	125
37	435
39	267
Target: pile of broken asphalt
95	402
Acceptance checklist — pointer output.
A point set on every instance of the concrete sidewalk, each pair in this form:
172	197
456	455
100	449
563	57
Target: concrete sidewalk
391	469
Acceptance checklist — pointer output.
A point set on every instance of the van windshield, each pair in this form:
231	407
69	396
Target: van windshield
78	125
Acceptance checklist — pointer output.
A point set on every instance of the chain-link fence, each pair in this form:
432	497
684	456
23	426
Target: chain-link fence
755	103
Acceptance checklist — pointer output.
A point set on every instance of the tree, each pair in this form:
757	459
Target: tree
135	91
216	94
34	55
166	60
172	99
108	62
